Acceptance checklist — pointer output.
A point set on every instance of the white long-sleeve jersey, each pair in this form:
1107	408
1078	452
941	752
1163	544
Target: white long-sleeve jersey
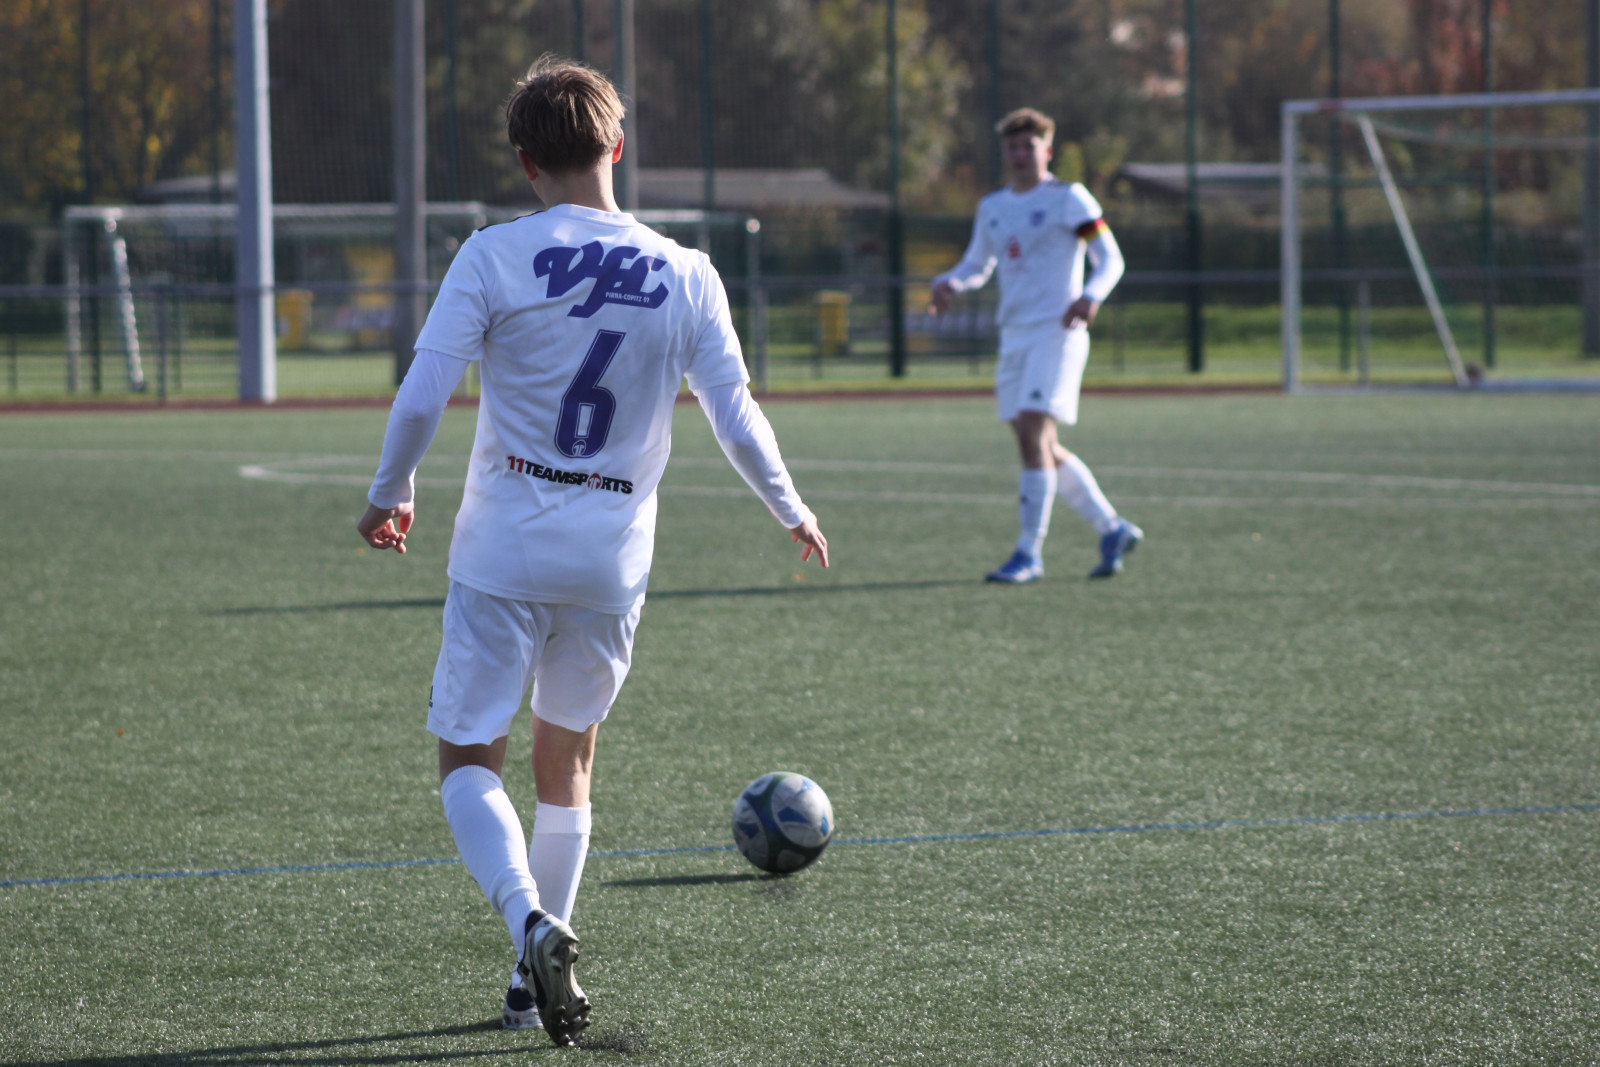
1038	240
583	323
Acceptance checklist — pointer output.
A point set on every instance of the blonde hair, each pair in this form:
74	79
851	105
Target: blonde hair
564	115
1027	120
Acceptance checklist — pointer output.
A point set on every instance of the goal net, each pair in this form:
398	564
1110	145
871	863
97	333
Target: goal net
1447	240
150	297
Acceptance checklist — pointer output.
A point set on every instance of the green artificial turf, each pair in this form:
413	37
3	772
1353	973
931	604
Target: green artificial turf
1346	606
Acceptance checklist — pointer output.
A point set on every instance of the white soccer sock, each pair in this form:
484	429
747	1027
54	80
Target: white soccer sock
489	837
1080	492
1036	492
556	854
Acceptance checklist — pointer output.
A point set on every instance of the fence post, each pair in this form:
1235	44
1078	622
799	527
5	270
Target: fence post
410	185
1364	331
1197	349
758	300
897	237
1289	252
163	295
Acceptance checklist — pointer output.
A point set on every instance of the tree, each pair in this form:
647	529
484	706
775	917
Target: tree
149	109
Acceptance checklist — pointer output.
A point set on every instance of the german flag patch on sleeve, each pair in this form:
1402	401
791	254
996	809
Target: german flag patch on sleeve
1092	229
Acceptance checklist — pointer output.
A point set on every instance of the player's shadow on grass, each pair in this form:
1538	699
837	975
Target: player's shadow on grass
436	603
345	1050
686	879
798	589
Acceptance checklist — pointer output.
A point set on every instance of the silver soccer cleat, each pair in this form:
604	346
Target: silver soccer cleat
548	953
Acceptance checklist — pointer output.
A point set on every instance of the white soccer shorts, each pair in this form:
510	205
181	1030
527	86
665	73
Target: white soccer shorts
1040	369
494	648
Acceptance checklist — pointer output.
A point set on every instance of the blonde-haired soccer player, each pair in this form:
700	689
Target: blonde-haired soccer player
1037	230
583	323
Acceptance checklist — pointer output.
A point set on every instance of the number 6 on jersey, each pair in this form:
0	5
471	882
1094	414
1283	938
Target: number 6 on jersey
587	407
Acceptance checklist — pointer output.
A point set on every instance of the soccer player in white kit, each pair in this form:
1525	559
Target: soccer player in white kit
1037	230
583	323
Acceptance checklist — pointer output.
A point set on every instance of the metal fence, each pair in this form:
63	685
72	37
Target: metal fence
856	135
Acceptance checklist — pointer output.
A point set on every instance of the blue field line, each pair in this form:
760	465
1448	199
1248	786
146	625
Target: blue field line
917	839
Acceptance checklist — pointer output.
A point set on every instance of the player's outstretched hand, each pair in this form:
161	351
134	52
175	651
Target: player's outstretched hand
809	535
1080	313
387	527
939	298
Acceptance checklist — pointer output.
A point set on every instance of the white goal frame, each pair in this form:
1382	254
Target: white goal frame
221	220
1361	108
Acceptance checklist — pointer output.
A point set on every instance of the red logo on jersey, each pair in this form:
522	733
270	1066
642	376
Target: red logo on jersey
1014	249
594	481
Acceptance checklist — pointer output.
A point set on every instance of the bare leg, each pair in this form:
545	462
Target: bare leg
563	763
1036	439
451	757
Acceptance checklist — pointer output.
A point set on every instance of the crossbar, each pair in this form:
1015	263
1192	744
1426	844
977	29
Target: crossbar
1443	103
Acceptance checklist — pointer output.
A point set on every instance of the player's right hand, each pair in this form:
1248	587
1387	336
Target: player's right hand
809	535
939	298
387	527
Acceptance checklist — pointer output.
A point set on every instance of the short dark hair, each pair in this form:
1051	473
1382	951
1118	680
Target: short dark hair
564	115
1027	120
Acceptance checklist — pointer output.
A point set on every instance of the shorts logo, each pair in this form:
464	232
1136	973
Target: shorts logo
1036	218
561	477
615	279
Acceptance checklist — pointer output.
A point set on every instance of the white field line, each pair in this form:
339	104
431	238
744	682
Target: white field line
306	469
898	497
893	496
275	471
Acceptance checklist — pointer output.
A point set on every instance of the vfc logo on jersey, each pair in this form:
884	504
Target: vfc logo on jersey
615	279
1036	217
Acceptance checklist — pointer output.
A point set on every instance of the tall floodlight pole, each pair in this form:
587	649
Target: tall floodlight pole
1490	283
1591	186
216	101
452	115
410	185
255	281
1341	257
708	114
627	176
992	61
897	237
1191	185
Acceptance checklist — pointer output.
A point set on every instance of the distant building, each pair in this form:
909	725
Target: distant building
1253	187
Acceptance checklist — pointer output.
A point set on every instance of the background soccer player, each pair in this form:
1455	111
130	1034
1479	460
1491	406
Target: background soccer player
1038	229
583	323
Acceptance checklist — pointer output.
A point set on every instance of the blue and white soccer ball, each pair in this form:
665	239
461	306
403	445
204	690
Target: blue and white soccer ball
782	822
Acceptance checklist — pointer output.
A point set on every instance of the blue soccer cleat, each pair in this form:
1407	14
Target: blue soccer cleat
1020	568
1115	545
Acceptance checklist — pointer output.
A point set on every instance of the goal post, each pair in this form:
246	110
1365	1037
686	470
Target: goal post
1469	245
148	285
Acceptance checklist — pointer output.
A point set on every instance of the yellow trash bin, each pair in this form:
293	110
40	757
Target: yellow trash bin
294	318
833	322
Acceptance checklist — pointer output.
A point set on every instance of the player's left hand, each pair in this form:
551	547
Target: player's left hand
387	527
1080	313
809	535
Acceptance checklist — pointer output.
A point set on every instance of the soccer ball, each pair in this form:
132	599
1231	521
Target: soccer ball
782	822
